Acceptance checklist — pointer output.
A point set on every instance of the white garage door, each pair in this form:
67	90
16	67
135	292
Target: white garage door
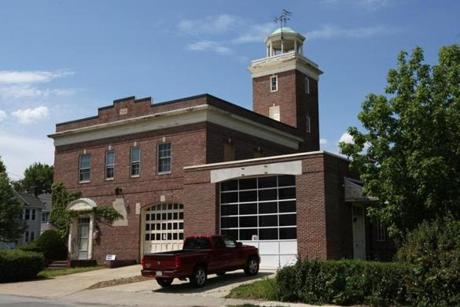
262	212
163	228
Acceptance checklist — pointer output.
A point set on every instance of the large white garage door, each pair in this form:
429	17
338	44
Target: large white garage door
163	228
262	212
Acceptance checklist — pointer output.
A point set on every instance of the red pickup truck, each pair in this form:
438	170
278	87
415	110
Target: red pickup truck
200	256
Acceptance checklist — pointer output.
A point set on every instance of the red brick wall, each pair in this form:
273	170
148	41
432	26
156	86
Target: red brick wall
294	103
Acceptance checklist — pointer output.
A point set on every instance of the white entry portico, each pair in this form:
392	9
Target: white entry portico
81	229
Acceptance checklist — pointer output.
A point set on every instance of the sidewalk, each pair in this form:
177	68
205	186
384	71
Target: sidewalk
67	284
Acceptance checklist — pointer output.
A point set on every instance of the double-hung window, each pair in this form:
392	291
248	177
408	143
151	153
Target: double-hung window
164	158
27	214
109	164
307	86
135	161
85	167
274	83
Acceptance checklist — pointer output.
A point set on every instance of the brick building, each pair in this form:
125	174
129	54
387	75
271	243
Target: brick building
202	165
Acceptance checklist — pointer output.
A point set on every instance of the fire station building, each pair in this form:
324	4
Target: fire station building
202	165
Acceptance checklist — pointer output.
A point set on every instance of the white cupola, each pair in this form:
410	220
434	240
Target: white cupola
284	40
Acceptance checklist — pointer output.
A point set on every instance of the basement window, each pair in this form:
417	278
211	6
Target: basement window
274	83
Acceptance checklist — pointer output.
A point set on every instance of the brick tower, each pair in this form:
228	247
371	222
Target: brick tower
285	85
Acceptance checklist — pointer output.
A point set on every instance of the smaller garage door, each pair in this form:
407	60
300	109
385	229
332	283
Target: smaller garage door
163	228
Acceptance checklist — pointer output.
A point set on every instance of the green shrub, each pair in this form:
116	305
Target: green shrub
434	249
16	265
343	282
50	244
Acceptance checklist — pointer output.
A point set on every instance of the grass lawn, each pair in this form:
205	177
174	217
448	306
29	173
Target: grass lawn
47	273
264	289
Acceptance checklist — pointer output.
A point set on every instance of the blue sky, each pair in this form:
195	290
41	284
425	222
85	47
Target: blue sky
61	60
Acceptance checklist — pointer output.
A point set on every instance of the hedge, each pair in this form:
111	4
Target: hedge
16	265
50	244
344	282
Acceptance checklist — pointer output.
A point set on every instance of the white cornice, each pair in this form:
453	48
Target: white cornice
174	118
284	62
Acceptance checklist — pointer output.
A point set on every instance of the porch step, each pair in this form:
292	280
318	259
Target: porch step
59	264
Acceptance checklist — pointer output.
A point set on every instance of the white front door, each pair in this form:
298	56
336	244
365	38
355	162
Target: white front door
359	233
83	238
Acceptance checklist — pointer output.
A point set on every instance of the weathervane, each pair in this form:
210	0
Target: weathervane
283	18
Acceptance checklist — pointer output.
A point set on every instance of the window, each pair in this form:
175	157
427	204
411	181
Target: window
26	214
135	165
109	164
26	236
307	85
381	232
308	124
274	83
164	158
85	167
32	236
45	217
33	214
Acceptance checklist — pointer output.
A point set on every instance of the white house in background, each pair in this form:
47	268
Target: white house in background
46	211
31	216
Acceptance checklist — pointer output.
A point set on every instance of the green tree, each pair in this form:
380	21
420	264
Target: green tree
37	176
11	227
409	152
59	216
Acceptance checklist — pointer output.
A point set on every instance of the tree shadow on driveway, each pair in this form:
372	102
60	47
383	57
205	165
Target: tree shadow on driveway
213	282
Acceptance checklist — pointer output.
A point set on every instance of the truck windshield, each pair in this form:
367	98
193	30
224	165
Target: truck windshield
196	243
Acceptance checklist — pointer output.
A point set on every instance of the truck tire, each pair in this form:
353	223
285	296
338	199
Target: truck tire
164	282
252	266
199	277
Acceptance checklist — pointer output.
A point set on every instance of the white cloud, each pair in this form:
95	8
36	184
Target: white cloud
19	152
28	91
209	46
25	77
209	25
30	115
254	33
331	31
366	4
346	138
323	141
2	115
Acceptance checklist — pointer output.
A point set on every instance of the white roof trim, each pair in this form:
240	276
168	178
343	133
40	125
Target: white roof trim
294	155
81	204
174	118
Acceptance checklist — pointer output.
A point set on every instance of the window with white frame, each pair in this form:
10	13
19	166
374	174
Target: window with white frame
164	158
85	167
135	163
274	83
307	85
32	236
33	214
308	124
109	164
263	207
26	236
274	112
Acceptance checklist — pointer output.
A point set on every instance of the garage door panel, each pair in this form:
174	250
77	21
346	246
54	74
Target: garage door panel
262	212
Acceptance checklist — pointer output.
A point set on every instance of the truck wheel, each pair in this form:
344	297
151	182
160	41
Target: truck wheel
164	282
199	276
252	266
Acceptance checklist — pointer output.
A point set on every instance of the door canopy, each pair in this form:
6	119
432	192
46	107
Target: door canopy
82	204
